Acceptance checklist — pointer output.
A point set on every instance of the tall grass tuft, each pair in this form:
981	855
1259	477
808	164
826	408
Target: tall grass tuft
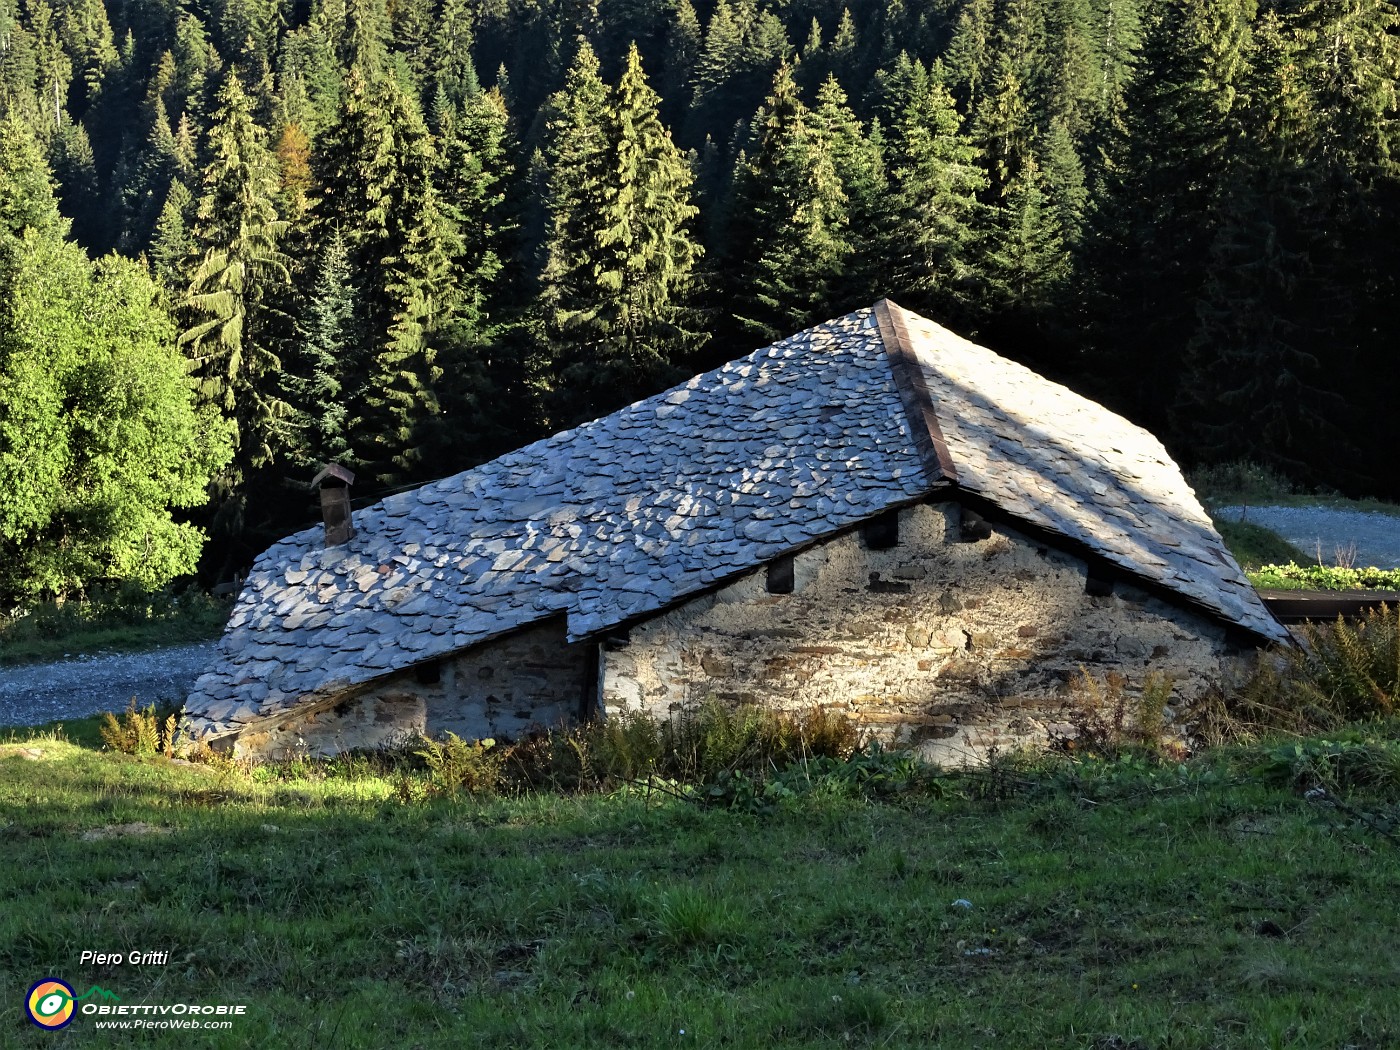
694	746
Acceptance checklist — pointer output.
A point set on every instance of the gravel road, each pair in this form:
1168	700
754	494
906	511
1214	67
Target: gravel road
89	685
1376	537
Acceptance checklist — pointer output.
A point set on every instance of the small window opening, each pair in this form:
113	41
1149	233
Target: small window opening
1098	583
429	673
882	533
780	575
973	527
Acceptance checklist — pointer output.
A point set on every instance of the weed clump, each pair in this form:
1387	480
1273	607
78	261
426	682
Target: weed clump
1107	718
1352	670
456	766
695	747
1343	672
140	731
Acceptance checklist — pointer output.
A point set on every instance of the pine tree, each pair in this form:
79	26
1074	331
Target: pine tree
1028	261
452	67
683	45
294	162
87	37
1249	388
411	31
620	253
969	52
1071	84
1350	58
933	219
789	235
75	168
474	143
742	49
1158	188
374	178
1006	118
857	155
228	300
18	66
173	244
27	200
329	341
309	79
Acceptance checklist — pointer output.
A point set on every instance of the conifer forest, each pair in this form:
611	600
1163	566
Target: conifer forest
243	238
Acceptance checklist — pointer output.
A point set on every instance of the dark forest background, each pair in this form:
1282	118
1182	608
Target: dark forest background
411	236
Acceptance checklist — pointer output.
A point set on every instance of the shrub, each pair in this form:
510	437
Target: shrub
455	766
1109	718
695	746
1326	577
1242	481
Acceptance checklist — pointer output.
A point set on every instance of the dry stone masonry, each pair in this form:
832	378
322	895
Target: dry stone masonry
950	644
536	564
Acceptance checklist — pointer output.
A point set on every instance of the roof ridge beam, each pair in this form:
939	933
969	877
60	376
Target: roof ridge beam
914	393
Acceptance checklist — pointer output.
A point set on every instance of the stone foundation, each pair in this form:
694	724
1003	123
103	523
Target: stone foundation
951	646
532	677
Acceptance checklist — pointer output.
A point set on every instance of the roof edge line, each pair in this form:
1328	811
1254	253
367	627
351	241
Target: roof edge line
914	393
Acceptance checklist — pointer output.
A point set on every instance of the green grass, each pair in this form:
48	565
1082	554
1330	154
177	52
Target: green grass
126	623
1325	577
1253	545
1178	907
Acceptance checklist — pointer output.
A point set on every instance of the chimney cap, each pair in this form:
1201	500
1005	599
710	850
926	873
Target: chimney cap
333	470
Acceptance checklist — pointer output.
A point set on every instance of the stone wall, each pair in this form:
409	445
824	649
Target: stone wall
954	646
497	689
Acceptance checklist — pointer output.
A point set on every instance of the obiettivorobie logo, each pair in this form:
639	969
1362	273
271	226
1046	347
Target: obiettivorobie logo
51	1003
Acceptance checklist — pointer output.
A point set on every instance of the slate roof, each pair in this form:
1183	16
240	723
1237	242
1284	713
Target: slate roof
670	496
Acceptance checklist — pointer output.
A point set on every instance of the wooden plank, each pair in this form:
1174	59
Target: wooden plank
1297	606
914	393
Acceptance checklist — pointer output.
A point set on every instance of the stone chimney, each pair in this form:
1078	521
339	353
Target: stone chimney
334	481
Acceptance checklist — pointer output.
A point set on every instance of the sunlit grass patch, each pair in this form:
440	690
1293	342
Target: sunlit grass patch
1211	903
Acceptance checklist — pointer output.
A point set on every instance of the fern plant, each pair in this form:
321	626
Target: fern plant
1352	669
139	731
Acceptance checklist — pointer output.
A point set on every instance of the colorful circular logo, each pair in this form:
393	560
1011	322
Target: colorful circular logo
50	1003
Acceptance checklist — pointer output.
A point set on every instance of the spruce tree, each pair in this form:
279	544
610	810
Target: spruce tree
969	52
857	155
374	177
789	235
473	140
230	333
620	253
1158	187
1028	259
1007	116
452	68
173	244
932	224
329	342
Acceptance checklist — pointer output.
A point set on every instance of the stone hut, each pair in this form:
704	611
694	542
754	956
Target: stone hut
873	515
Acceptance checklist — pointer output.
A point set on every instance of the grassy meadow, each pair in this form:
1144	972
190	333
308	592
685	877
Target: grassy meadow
1125	903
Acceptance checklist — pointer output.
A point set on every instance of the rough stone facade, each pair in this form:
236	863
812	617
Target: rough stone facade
642	514
954	646
532	677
